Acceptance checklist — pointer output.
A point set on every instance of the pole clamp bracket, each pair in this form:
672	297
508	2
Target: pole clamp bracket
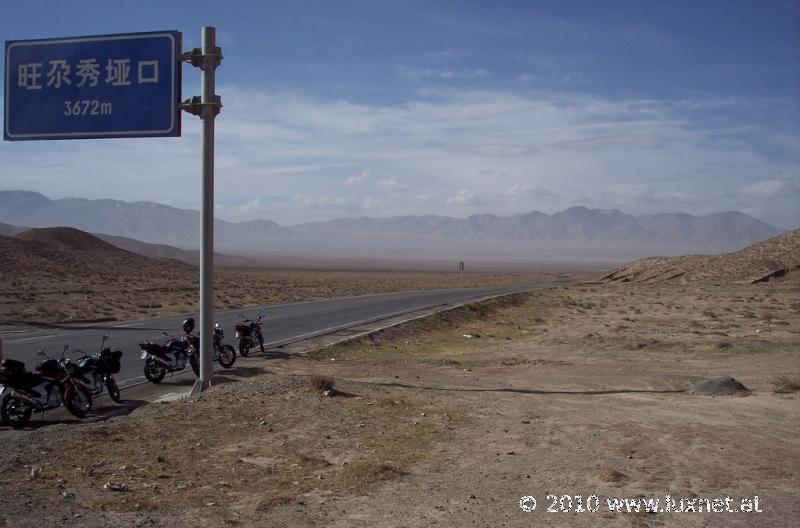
196	58
195	106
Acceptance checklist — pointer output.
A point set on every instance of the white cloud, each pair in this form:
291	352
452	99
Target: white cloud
465	198
505	153
448	55
391	184
526	194
417	74
371	203
518	194
772	189
359	178
637	193
323	202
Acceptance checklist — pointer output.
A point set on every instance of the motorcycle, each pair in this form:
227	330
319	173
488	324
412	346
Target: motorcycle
248	334
53	383
170	357
96	371
223	354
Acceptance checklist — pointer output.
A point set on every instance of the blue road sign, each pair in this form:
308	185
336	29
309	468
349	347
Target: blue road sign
105	86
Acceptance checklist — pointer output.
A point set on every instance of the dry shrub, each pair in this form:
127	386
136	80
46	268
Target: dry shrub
768	315
607	474
784	384
321	382
361	473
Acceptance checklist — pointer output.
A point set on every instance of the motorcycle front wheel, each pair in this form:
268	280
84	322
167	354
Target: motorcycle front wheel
154	371
14	412
113	389
195	362
78	400
227	356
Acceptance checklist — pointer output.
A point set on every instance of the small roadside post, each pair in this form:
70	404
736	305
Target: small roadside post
461	274
119	86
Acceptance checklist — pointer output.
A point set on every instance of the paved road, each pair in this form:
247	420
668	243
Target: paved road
284	323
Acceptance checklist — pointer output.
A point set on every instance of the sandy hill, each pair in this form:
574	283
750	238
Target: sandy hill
776	257
66	251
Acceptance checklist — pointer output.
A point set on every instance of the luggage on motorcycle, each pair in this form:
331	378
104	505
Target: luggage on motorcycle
48	365
12	368
241	327
151	347
111	361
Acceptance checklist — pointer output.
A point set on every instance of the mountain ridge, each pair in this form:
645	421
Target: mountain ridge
576	232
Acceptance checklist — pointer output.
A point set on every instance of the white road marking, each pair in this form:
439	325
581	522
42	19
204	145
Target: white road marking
48	336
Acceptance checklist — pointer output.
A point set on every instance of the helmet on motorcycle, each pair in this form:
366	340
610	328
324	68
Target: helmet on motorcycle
188	325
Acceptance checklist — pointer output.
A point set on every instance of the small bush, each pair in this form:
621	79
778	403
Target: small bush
784	384
321	382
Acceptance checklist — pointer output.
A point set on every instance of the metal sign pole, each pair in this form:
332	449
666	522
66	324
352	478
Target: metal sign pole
208	58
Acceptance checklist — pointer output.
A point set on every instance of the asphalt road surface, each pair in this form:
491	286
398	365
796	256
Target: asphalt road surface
283	323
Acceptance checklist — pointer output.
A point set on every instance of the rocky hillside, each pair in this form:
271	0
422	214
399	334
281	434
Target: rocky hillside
776	257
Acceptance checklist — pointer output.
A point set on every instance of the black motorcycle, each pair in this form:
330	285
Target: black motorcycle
97	370
54	383
248	335
223	354
170	357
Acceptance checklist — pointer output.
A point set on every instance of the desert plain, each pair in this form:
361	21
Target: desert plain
580	390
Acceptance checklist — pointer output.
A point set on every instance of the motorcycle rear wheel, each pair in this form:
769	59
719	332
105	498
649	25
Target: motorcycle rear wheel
78	400
14	412
244	347
227	356
154	371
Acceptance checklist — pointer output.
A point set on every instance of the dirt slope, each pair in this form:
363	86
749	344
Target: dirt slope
776	257
68	251
63	274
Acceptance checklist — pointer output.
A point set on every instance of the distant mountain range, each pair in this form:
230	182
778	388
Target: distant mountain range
577	232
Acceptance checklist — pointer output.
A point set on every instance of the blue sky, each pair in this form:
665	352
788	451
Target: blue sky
385	108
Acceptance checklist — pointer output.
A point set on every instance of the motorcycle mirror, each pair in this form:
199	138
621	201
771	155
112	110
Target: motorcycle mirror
105	338
41	353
